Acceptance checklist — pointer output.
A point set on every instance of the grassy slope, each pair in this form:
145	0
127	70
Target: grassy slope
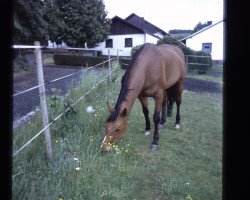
188	164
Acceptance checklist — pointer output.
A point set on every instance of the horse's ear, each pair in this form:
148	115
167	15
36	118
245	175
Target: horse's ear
110	108
124	112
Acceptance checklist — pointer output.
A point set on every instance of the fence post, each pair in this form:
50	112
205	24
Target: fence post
43	103
117	56
110	76
187	62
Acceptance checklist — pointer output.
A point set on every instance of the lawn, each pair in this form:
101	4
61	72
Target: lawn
188	164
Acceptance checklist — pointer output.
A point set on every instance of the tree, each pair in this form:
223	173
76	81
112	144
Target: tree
200	26
29	23
74	22
80	22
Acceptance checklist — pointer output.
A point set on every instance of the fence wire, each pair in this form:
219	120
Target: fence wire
57	79
65	111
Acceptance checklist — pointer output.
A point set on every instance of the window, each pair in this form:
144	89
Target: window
207	47
128	42
109	43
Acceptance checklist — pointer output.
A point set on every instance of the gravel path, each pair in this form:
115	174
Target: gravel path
25	103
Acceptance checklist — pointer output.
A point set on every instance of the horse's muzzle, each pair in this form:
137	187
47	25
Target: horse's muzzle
106	146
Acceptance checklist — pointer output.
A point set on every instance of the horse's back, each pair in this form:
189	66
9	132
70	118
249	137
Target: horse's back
172	64
160	66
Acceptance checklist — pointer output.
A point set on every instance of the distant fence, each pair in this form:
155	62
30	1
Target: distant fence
200	64
42	95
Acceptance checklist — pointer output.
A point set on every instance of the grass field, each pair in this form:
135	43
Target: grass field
188	164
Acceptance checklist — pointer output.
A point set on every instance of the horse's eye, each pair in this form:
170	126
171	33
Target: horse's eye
116	130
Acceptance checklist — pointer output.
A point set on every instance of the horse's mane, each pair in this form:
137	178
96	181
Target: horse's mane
124	88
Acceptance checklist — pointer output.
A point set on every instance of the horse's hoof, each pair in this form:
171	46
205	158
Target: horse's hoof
154	147
160	126
177	126
147	132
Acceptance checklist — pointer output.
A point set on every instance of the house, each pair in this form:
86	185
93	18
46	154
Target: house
128	33
209	39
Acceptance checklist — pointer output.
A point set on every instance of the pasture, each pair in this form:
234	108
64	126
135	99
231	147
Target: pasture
188	164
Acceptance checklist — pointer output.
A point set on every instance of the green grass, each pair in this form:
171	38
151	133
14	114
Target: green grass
188	164
215	69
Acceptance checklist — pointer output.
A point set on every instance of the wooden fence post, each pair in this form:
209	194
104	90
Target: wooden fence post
110	76
43	102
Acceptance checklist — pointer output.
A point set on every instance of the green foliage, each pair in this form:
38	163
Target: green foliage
134	49
124	62
201	69
20	64
180	31
79	22
74	22
200	26
76	60
29	21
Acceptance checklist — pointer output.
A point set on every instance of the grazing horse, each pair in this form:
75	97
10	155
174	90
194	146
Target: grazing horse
154	71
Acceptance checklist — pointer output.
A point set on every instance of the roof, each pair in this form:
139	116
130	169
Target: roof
124	21
143	24
200	31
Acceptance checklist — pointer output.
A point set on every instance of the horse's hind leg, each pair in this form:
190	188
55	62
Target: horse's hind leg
163	112
145	110
156	117
178	103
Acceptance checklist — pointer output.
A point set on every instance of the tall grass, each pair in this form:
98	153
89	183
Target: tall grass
188	164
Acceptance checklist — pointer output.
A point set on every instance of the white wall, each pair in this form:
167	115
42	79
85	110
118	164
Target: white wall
53	44
214	35
119	43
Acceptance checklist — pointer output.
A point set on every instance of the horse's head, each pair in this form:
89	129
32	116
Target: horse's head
115	128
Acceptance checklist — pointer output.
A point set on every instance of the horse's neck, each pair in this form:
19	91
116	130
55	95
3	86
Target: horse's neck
134	89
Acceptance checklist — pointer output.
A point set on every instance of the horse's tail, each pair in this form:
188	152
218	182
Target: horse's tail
170	101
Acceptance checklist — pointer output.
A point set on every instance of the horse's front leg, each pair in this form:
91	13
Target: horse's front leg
145	110
156	118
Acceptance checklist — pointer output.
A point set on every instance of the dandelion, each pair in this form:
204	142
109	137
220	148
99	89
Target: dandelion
77	168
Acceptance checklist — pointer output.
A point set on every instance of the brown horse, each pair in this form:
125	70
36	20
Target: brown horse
154	71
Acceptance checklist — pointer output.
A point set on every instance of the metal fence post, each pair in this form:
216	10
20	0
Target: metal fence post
43	102
117	56
110	76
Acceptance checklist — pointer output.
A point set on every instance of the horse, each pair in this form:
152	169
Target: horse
156	71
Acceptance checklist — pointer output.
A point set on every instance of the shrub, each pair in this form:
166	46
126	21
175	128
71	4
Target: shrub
134	49
124	62
20	64
201	69
76	60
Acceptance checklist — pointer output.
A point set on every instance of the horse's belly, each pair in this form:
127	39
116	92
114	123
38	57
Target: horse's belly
150	91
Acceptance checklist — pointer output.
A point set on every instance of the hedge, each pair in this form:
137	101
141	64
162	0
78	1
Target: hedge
76	60
20	64
201	69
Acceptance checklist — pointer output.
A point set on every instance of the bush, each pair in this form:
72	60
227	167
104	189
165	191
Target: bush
201	69
76	60
124	62
20	64
134	49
